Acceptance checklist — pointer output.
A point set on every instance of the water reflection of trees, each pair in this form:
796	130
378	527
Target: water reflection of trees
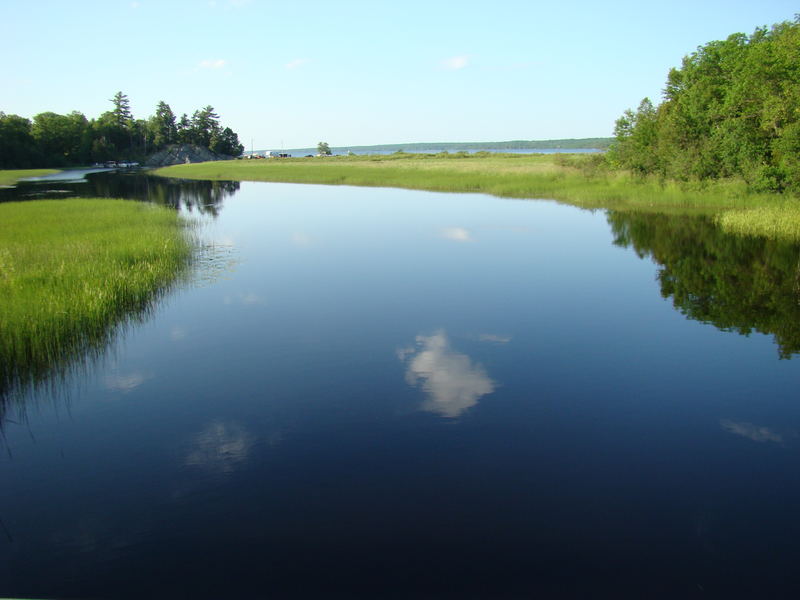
204	197
736	283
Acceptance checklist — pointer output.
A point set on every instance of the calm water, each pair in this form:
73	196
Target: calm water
403	394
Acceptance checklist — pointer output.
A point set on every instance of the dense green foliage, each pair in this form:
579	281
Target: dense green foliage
54	140
737	283
731	110
70	271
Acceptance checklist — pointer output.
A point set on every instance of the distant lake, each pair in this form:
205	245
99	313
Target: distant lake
339	152
392	393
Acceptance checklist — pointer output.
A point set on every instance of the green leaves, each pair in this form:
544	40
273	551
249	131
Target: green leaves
725	113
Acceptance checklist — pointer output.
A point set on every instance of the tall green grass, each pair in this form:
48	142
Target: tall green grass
779	220
579	180
11	176
71	271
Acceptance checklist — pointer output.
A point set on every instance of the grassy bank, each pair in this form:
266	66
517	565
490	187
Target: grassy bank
71	270
576	179
11	176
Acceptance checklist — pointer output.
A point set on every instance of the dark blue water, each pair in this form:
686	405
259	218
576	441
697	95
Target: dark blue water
391	393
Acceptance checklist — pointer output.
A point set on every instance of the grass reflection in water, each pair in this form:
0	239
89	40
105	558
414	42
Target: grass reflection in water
71	272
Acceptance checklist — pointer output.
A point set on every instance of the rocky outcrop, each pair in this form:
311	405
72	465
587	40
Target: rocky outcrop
186	153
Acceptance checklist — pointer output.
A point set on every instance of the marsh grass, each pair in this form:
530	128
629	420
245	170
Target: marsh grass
576	179
11	176
779	220
71	272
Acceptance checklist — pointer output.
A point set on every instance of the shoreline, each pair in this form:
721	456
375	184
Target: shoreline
575	179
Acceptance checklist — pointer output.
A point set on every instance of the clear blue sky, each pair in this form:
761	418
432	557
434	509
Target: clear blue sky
354	72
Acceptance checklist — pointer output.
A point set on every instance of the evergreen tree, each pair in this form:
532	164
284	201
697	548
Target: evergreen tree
162	127
226	142
122	111
205	123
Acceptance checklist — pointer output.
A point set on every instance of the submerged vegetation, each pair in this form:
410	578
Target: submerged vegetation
72	271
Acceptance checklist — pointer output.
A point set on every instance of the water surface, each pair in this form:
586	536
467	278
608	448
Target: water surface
395	393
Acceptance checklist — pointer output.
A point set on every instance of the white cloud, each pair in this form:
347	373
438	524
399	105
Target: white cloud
457	234
494	338
297	62
301	239
252	298
213	63
125	383
135	4
751	432
455	63
403	352
247	298
453	382
220	447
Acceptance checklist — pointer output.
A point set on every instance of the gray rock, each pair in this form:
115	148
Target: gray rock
186	153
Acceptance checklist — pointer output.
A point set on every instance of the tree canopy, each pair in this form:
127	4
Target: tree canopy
54	140
732	109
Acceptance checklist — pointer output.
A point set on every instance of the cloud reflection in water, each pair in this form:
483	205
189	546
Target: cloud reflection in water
220	447
457	234
452	381
756	433
125	383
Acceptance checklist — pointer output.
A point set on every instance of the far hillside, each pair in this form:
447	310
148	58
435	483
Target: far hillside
565	144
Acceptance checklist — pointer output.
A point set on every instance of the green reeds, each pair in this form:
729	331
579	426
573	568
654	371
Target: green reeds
577	179
780	220
71	271
581	180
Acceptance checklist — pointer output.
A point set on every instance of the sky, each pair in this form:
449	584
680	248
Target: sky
291	73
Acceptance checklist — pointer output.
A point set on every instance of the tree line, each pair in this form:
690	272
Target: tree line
55	140
731	110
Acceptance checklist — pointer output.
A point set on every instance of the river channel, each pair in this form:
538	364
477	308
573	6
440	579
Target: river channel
389	393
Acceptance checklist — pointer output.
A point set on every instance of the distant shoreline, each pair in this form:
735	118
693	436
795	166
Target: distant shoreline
572	144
